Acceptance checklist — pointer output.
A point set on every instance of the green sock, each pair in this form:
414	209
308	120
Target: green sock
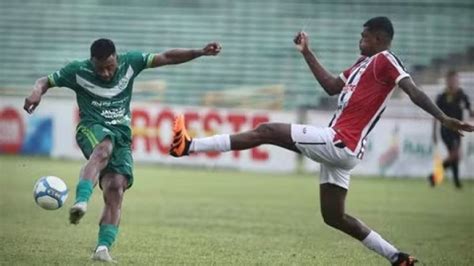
84	190
107	234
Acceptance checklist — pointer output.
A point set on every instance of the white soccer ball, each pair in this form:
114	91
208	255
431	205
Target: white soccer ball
50	192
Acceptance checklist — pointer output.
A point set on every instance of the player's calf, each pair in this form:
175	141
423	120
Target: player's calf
278	134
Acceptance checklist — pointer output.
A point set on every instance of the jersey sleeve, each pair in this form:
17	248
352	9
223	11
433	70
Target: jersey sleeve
344	75
139	60
65	77
389	69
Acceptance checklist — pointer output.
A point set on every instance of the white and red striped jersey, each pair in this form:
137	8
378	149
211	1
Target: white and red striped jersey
369	83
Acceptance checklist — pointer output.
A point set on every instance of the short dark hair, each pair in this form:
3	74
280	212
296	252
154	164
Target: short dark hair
380	24
102	48
451	73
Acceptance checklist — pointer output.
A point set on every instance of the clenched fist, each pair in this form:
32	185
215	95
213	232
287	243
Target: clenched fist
212	48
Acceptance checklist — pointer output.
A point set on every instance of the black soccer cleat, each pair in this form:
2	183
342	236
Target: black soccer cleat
405	260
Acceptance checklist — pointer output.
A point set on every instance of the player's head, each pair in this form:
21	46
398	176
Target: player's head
104	58
376	36
452	80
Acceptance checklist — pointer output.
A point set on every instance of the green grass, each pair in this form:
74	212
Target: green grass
208	217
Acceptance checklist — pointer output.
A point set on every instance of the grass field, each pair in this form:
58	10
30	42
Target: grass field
203	217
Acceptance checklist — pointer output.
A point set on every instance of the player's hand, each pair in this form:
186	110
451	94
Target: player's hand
301	41
212	48
457	126
31	102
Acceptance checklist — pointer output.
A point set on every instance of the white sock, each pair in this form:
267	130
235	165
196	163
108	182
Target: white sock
376	243
100	248
215	143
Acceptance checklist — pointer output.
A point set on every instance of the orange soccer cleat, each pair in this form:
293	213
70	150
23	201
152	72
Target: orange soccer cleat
181	139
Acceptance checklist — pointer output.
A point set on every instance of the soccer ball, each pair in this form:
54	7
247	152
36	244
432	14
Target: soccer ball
50	192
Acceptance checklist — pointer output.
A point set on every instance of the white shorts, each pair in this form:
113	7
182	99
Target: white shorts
317	144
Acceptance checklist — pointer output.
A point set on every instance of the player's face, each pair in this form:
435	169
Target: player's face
367	43
452	83
105	69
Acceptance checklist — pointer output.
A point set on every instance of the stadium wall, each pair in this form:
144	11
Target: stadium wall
396	147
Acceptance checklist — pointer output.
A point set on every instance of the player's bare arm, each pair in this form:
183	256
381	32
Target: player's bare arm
40	88
331	84
179	55
418	97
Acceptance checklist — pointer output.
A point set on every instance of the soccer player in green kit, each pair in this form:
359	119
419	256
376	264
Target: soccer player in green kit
103	86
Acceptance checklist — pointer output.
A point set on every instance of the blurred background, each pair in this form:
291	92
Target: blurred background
258	70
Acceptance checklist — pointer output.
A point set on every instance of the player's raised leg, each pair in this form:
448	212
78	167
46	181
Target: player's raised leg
333	199
89	174
278	134
114	186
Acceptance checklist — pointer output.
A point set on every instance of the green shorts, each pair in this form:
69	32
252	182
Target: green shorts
88	135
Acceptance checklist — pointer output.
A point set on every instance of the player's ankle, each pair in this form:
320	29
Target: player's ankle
80	202
101	247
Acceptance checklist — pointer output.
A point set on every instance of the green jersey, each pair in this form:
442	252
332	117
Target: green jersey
99	101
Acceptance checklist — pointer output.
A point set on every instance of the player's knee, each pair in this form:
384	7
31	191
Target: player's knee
115	186
265	131
102	151
332	219
113	193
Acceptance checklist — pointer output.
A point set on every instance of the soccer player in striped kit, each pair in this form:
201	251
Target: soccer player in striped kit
364	90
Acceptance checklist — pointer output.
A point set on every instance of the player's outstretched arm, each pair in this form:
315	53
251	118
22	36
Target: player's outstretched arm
40	88
418	97
331	84
179	55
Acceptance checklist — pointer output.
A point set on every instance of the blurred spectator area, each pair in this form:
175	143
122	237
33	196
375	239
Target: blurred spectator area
259	66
